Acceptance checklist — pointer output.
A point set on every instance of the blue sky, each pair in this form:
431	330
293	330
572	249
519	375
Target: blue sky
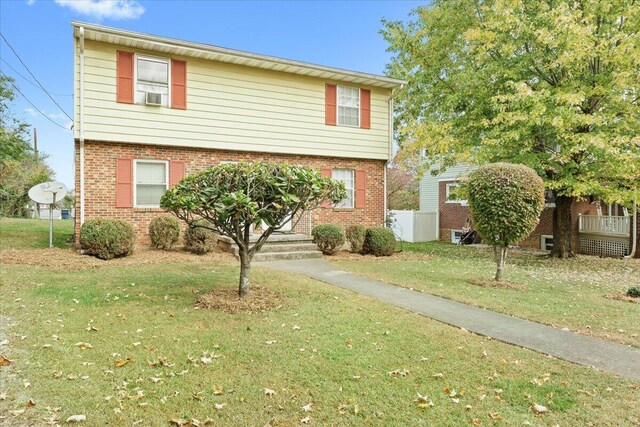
339	34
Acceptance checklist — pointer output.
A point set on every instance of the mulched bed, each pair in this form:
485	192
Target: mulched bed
71	259
226	299
623	297
503	284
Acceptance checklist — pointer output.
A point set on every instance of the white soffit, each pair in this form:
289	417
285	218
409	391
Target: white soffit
165	45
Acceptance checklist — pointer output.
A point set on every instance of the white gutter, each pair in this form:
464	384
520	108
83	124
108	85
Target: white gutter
81	123
634	229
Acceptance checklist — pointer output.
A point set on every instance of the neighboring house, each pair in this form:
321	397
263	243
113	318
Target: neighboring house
150	110
598	229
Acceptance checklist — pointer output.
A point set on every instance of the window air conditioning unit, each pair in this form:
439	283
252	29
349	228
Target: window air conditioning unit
153	98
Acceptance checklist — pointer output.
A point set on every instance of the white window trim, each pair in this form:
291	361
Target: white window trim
353	188
338	106
543	242
135	180
461	202
156	59
453	236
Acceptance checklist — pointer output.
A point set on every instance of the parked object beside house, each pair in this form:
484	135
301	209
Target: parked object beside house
151	110
599	229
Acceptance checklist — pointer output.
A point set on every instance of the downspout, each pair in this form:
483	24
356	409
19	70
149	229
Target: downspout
81	123
634	228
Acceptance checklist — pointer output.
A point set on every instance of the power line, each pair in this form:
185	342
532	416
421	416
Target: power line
27	79
33	105
34	77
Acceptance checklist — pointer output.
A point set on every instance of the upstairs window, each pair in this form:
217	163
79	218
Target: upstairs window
451	196
152	81
346	176
151	182
348	106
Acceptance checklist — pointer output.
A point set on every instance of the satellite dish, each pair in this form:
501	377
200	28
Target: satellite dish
48	192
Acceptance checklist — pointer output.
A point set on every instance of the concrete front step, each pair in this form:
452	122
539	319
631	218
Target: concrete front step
279	246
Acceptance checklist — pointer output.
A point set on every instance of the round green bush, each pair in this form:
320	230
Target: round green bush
505	202
355	237
164	232
634	292
107	238
199	240
328	237
379	241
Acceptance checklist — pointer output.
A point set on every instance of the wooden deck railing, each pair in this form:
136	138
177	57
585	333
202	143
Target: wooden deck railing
601	224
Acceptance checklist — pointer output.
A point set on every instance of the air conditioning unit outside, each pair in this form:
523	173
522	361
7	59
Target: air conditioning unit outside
153	98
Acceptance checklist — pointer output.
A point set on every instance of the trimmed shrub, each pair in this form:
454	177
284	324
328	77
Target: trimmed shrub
634	292
355	236
379	241
107	238
164	232
199	240
505	202
328	237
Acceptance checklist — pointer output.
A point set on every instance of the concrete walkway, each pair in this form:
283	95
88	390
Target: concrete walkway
584	350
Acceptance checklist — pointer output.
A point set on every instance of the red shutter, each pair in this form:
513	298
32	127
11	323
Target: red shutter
178	84
176	172
330	104
124	183
365	108
124	77
326	172
361	189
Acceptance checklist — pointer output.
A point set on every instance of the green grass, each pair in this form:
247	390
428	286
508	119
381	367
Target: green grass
562	293
34	233
338	359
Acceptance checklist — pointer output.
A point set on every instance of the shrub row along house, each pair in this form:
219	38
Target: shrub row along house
150	110
599	229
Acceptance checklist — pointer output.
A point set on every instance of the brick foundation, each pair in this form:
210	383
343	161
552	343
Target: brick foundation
100	184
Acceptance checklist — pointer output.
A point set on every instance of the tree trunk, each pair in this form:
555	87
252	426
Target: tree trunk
500	255
245	270
562	228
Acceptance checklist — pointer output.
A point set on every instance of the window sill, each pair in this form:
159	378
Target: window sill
343	209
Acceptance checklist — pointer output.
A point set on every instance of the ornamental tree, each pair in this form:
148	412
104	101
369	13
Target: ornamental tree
236	198
505	202
551	84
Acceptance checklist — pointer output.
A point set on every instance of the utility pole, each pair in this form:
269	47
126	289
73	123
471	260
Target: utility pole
35	152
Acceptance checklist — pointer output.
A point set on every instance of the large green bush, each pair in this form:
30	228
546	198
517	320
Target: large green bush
328	237
505	202
379	241
199	240
355	237
107	238
164	232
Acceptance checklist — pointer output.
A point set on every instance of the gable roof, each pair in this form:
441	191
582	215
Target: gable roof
166	45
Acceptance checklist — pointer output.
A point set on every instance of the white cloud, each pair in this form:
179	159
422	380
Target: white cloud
57	116
30	111
30	2
99	9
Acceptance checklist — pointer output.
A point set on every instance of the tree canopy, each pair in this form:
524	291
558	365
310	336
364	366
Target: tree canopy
551	84
234	199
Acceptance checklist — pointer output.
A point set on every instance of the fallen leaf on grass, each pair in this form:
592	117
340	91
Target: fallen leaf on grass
17	412
269	392
308	407
270	342
83	345
423	401
3	395
4	342
438	375
539	409
305	420
91	327
218	390
219	406
495	416
31	403
4	361
121	362
399	373
76	418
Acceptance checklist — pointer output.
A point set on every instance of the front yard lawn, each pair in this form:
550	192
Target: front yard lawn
562	293
122	343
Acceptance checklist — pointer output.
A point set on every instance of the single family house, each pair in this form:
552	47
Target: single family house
150	110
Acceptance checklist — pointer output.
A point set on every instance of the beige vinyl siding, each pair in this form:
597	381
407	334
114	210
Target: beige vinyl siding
229	107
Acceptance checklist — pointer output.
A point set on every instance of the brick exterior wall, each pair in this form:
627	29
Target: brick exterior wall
454	215
100	182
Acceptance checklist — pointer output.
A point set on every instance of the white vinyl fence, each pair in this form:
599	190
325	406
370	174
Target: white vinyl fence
415	226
